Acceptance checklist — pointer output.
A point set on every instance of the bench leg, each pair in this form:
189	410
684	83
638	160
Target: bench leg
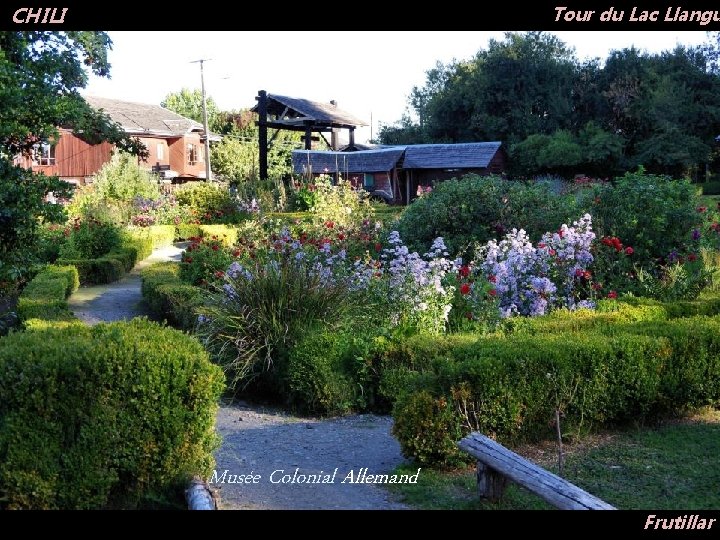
491	484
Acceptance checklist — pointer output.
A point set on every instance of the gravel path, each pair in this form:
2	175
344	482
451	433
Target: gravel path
258	441
120	300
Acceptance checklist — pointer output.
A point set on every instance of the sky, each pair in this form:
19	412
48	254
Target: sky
369	74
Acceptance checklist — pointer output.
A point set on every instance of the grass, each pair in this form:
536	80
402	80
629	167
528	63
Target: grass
673	466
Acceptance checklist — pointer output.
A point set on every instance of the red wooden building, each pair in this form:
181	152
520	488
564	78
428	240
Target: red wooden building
175	144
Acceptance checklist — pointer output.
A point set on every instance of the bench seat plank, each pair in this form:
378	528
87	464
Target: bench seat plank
555	490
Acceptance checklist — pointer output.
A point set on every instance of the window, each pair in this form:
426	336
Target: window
192	154
43	154
161	151
201	153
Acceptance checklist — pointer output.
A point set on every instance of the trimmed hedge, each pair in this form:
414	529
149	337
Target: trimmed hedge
226	233
105	416
112	266
185	231
624	362
170	298
159	235
42	302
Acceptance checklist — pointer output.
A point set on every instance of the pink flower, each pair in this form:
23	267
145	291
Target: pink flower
629	250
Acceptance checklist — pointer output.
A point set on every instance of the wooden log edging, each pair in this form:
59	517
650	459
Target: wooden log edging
495	460
199	496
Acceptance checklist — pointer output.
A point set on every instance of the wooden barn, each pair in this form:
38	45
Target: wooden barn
399	170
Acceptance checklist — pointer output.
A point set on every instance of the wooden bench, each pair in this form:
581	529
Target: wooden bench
496	465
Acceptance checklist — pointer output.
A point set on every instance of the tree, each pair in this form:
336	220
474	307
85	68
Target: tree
40	74
188	103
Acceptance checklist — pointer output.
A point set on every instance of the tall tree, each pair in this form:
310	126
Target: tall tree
188	103
40	74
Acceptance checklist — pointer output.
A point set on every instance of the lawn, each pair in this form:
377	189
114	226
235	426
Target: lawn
673	466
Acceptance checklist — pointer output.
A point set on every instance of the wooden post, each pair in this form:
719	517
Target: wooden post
308	137
351	144
262	133
491	485
334	133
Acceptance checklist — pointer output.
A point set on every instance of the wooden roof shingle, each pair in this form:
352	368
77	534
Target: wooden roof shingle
144	118
450	156
315	111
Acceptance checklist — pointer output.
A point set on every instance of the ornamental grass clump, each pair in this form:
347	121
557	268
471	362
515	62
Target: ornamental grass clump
266	302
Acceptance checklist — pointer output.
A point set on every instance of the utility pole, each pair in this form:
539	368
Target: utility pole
208	176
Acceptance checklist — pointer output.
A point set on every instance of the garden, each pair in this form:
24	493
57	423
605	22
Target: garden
492	305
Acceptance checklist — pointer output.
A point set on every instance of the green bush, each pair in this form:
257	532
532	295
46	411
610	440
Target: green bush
90	239
50	238
227	234
709	188
479	208
340	204
185	231
159	235
207	200
509	387
205	261
103	417
168	298
44	297
655	215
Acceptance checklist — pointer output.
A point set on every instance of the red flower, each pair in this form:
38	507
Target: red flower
596	286
236	253
492	292
551	252
378	247
219	274
629	250
561	233
492	279
464	271
587	275
541	245
692	257
578	272
341	236
702	209
329	224
188	260
215	247
465	288
612	294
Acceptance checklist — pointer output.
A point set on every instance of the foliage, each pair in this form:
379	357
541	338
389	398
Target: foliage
104	416
654	215
22	209
168	298
340	203
44	297
188	103
89	239
267	303
204	261
477	209
207	201
555	113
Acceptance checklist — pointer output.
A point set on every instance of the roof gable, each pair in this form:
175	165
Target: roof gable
299	109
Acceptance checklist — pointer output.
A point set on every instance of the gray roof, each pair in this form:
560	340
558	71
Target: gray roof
352	162
450	156
145	119
304	109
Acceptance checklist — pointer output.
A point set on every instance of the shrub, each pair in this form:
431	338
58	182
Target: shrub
205	261
653	214
185	231
89	239
340	204
103	416
625	362
226	234
265	306
207	200
50	239
168	298
44	297
479	208
319	377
